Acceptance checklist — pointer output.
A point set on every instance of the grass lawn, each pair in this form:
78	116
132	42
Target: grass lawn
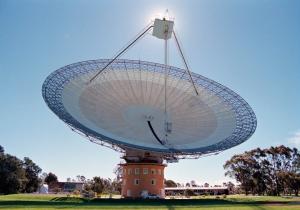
47	202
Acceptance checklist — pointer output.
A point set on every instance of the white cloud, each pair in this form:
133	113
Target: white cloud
295	139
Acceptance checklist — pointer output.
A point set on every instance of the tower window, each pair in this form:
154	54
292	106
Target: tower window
137	171
153	171
145	170
136	182
153	181
129	171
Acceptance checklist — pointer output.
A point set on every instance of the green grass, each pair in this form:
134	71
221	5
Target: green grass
50	202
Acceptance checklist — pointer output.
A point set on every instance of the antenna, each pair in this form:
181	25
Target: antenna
148	111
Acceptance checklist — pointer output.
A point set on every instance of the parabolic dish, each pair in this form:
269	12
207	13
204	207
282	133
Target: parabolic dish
114	107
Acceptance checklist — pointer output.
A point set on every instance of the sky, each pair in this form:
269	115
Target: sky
250	46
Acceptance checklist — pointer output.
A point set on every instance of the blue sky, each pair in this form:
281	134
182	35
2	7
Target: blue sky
252	47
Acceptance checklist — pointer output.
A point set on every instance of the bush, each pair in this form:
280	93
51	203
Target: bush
189	192
76	192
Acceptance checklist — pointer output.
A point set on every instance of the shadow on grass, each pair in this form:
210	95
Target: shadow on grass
169	203
69	199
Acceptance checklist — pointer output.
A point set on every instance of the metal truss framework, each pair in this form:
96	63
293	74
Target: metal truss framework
54	84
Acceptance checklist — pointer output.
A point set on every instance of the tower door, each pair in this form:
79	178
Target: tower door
128	193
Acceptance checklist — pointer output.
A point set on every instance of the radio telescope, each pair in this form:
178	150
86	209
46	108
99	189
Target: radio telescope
152	113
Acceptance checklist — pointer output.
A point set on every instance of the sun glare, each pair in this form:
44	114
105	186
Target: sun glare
160	15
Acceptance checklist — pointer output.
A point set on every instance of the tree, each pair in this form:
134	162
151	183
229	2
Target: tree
271	171
241	167
116	186
51	179
32	172
178	184
101	185
170	183
107	185
97	184
193	183
118	171
17	175
80	178
206	185
189	192
230	186
12	174
294	183
43	177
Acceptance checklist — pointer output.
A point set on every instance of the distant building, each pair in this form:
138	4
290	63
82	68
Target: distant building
197	190
206	185
66	187
43	189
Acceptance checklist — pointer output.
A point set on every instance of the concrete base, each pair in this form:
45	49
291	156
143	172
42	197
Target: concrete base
141	179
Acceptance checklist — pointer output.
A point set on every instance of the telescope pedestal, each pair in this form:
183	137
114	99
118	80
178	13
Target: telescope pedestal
142	179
